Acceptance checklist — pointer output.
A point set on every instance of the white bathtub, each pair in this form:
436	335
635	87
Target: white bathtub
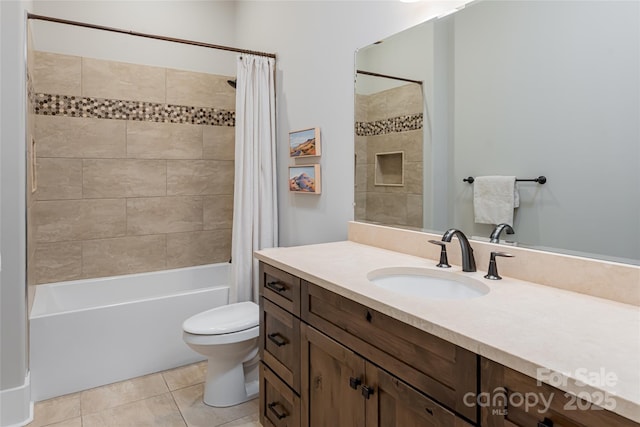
88	333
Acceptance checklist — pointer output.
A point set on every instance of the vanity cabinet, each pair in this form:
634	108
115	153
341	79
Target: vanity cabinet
328	361
517	400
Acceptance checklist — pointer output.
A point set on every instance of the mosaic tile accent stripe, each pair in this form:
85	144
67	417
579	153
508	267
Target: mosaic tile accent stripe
115	109
391	125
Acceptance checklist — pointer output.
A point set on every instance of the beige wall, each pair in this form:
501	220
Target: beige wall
389	121
134	168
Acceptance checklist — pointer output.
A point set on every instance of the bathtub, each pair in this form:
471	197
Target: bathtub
88	333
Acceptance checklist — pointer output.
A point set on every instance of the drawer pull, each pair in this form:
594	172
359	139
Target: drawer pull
272	408
368	316
277	339
545	423
367	391
276	286
429	411
354	383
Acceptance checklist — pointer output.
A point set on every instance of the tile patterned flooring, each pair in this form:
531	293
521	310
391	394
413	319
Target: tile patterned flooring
171	398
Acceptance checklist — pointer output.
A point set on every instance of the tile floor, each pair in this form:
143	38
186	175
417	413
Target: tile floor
164	399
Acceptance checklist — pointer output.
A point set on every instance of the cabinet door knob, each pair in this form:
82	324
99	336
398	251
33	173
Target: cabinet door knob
354	383
277	339
278	414
545	423
276	286
367	391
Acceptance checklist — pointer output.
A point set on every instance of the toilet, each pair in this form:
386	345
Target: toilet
228	337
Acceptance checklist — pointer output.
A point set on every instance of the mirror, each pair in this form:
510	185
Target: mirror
523	89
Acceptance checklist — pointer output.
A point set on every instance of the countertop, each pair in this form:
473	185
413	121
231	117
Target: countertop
580	344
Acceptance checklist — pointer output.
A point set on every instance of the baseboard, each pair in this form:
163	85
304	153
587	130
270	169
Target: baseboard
16	407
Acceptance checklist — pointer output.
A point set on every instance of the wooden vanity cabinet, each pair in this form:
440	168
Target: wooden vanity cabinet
517	400
328	361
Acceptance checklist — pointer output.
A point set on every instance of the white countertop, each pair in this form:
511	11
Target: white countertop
584	345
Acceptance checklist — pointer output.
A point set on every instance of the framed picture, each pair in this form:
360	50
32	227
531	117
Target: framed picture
304	143
304	179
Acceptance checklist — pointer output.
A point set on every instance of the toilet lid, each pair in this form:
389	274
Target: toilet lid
224	320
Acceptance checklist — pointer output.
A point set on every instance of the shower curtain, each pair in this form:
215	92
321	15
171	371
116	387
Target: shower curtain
255	216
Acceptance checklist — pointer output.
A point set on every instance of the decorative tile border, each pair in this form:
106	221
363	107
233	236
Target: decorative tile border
391	125
115	109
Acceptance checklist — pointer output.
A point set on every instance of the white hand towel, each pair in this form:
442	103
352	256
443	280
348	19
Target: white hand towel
494	198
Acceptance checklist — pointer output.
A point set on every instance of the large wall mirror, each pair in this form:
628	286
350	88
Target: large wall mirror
512	88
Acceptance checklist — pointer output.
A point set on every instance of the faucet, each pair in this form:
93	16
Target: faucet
495	234
468	261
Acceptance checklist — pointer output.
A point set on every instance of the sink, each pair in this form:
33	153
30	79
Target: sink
427	283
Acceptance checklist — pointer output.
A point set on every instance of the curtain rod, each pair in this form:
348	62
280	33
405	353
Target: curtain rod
149	36
369	73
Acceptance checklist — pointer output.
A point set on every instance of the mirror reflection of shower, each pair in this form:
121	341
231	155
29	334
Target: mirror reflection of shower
389	149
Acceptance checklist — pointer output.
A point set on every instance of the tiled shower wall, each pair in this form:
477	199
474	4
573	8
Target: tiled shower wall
134	168
390	121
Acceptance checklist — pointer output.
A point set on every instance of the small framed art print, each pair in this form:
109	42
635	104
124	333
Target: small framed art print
304	143
304	179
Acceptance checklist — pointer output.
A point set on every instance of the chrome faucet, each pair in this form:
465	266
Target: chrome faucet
495	234
468	261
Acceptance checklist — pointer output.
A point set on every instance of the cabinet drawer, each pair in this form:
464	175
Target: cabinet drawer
279	405
519	400
280	287
432	365
280	342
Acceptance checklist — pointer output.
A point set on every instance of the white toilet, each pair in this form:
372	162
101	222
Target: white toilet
228	336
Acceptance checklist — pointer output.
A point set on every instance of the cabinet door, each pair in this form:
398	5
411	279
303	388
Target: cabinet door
331	379
396	404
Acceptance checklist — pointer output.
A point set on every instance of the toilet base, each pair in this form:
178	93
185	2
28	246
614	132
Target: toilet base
230	386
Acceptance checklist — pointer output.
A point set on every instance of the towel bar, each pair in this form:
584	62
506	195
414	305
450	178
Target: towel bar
540	180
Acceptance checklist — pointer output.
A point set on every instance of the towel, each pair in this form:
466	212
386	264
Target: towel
494	199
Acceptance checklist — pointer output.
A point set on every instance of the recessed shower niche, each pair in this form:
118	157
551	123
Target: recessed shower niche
389	169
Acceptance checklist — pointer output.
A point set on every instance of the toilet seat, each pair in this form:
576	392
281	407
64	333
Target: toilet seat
234	337
227	319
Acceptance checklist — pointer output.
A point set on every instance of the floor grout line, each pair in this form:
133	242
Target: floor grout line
179	410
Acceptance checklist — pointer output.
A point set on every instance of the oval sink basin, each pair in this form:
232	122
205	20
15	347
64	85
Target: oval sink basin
427	283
